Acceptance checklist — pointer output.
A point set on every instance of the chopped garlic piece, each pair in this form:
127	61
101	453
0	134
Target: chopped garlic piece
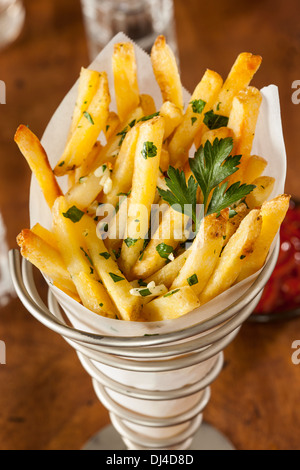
171	257
151	290
107	187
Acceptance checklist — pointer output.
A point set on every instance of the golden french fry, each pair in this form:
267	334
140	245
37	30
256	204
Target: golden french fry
88	164
234	256
254	168
240	76
37	159
45	234
273	213
110	151
125	79
165	238
172	115
87	86
91	123
166	72
242	120
74	252
211	135
204	253
202	101
164	160
234	222
88	188
264	188
147	104
146	171
166	275
46	258
172	305
122	173
112	124
108	271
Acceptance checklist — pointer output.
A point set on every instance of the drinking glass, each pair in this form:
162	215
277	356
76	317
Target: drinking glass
12	17
141	20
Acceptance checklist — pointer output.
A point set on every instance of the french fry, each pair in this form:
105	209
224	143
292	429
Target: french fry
264	188
48	236
172	305
254	168
88	188
234	256
211	135
146	171
240	76
242	120
122	173
204	253
234	222
125	79
108	271
172	115
88	164
46	258
166	275
111	150
91	123
273	213
164	160
112	124
77	261
37	159
166	72
202	100
87	86
147	104
153	259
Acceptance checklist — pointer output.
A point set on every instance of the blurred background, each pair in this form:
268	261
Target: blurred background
46	399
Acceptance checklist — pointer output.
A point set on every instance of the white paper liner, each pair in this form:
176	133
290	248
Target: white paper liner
268	143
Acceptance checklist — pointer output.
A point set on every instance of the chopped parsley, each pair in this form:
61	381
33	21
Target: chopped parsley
192	280
172	293
215	121
89	117
149	150
105	255
198	106
116	278
193	119
87	255
164	250
73	214
130	241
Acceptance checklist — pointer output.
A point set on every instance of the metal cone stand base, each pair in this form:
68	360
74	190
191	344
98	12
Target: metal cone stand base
201	345
206	438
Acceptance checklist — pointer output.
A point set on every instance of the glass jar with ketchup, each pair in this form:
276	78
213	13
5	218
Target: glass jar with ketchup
281	296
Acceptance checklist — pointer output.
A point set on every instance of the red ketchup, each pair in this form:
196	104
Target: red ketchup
282	292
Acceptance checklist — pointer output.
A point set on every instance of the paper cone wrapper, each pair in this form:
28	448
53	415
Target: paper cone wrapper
268	143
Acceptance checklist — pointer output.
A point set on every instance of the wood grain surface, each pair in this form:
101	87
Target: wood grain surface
46	398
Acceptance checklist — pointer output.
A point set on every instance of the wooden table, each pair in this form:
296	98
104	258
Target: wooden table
46	399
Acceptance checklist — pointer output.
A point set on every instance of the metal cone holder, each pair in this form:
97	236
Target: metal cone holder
138	412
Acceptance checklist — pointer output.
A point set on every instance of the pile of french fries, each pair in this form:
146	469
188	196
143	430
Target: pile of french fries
105	157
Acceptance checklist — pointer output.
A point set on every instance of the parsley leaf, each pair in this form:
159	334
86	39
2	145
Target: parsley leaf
182	196
215	121
223	197
212	165
193	280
